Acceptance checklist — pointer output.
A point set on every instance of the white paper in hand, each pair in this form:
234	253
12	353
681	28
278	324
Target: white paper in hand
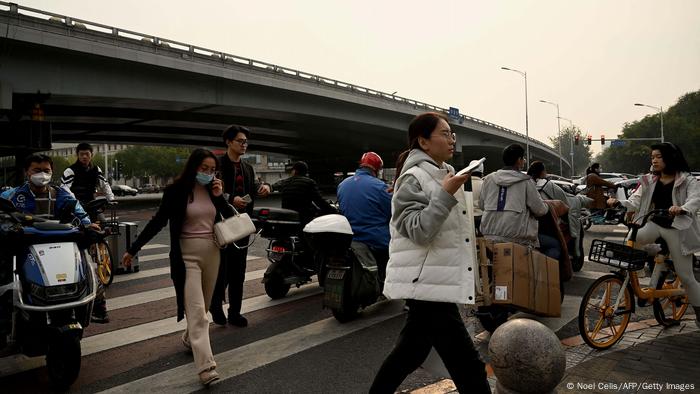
471	167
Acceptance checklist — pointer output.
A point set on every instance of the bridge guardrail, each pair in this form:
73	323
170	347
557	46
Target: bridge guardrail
191	52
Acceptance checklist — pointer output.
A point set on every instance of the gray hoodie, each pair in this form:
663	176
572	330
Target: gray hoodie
510	202
410	198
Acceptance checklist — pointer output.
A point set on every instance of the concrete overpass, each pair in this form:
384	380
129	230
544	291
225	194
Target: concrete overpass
68	80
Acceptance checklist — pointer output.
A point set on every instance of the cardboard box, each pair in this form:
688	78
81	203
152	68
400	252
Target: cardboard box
526	279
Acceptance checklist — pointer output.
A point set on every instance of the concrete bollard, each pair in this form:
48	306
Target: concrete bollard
526	357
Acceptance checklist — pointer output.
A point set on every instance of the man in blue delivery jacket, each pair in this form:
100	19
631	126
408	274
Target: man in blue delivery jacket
366	202
37	197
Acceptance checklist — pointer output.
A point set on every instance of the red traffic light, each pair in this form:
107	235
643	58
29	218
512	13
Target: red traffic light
577	137
590	139
602	139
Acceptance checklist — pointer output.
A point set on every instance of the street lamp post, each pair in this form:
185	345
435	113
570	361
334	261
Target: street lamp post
561	166
571	141
527	132
661	116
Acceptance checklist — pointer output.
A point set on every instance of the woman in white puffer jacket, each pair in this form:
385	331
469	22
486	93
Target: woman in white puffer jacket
429	264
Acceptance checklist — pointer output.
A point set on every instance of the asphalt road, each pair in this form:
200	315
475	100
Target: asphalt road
291	346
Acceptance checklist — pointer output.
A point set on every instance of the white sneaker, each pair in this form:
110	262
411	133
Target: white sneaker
482	337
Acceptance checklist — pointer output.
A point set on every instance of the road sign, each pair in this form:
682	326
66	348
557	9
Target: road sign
617	143
453	112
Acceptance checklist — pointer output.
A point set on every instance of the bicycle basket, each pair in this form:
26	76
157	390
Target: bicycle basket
617	255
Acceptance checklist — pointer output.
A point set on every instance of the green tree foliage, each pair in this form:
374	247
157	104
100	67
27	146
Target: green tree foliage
681	126
160	161
59	165
582	152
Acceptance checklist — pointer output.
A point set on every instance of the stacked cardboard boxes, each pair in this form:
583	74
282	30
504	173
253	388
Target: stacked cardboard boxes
525	278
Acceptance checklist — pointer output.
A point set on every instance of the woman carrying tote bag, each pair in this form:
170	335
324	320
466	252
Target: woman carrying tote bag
192	204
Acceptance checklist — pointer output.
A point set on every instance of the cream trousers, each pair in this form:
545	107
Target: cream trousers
201	257
683	264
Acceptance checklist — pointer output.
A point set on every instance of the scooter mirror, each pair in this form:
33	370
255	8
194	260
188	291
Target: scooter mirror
7	205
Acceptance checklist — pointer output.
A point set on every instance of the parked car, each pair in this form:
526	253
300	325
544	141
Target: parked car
149	188
124	190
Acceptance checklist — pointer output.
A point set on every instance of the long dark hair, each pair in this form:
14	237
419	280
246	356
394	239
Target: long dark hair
186	179
674	160
422	125
592	168
535	169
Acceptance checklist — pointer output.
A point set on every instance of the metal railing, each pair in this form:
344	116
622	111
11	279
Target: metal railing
193	53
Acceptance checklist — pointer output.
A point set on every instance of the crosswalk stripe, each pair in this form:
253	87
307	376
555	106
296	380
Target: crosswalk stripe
155	271
154	246
109	340
265	351
159	294
148	273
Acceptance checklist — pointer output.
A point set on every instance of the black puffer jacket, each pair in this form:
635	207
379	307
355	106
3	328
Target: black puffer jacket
301	194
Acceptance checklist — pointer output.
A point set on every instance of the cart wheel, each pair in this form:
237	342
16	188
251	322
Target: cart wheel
599	323
669	311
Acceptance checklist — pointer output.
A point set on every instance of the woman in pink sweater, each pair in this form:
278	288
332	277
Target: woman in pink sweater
192	204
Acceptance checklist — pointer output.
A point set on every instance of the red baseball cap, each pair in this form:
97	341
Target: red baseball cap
372	160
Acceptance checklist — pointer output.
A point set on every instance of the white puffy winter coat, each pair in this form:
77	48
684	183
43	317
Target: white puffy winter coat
432	251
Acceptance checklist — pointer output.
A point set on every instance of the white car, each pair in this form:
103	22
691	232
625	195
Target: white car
124	190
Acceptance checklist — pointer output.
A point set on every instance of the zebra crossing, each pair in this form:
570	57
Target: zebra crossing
154	291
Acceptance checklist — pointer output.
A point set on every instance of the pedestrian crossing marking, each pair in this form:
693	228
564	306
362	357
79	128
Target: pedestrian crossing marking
235	362
154	246
159	294
126	336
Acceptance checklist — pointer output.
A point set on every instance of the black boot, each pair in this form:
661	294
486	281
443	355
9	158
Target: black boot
217	314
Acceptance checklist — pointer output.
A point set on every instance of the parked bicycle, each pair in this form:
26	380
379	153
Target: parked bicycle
98	248
607	306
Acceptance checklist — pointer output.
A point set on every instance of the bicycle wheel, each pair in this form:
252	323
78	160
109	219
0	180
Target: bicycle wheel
103	259
599	323
668	311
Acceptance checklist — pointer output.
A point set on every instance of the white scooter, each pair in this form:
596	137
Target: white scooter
47	290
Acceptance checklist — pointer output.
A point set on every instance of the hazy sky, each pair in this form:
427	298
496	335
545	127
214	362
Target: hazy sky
596	58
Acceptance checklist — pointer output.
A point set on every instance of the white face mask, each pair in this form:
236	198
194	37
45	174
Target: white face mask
41	179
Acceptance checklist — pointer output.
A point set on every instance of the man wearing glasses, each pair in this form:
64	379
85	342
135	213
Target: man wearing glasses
242	188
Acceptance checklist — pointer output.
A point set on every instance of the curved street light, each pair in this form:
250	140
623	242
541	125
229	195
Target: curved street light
661	115
561	167
527	133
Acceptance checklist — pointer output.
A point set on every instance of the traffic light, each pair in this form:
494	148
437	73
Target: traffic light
590	139
120	170
602	139
577	137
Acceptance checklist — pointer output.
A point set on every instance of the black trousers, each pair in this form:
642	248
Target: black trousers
428	325
381	256
231	274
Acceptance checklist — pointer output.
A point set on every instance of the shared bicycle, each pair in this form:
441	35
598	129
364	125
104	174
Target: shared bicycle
607	306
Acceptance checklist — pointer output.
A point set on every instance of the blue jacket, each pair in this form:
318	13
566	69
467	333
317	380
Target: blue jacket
364	200
23	198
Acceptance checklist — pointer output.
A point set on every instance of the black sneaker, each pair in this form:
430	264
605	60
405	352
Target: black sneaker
238	321
99	317
217	315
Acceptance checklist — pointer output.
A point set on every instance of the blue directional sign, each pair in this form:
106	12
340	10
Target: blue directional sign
617	143
453	112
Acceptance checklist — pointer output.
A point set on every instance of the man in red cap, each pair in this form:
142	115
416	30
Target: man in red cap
366	203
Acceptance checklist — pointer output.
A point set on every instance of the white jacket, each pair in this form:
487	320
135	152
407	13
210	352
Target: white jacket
432	249
686	194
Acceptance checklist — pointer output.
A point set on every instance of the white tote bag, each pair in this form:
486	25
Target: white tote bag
233	229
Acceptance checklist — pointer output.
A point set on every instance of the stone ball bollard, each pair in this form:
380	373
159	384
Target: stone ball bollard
526	357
